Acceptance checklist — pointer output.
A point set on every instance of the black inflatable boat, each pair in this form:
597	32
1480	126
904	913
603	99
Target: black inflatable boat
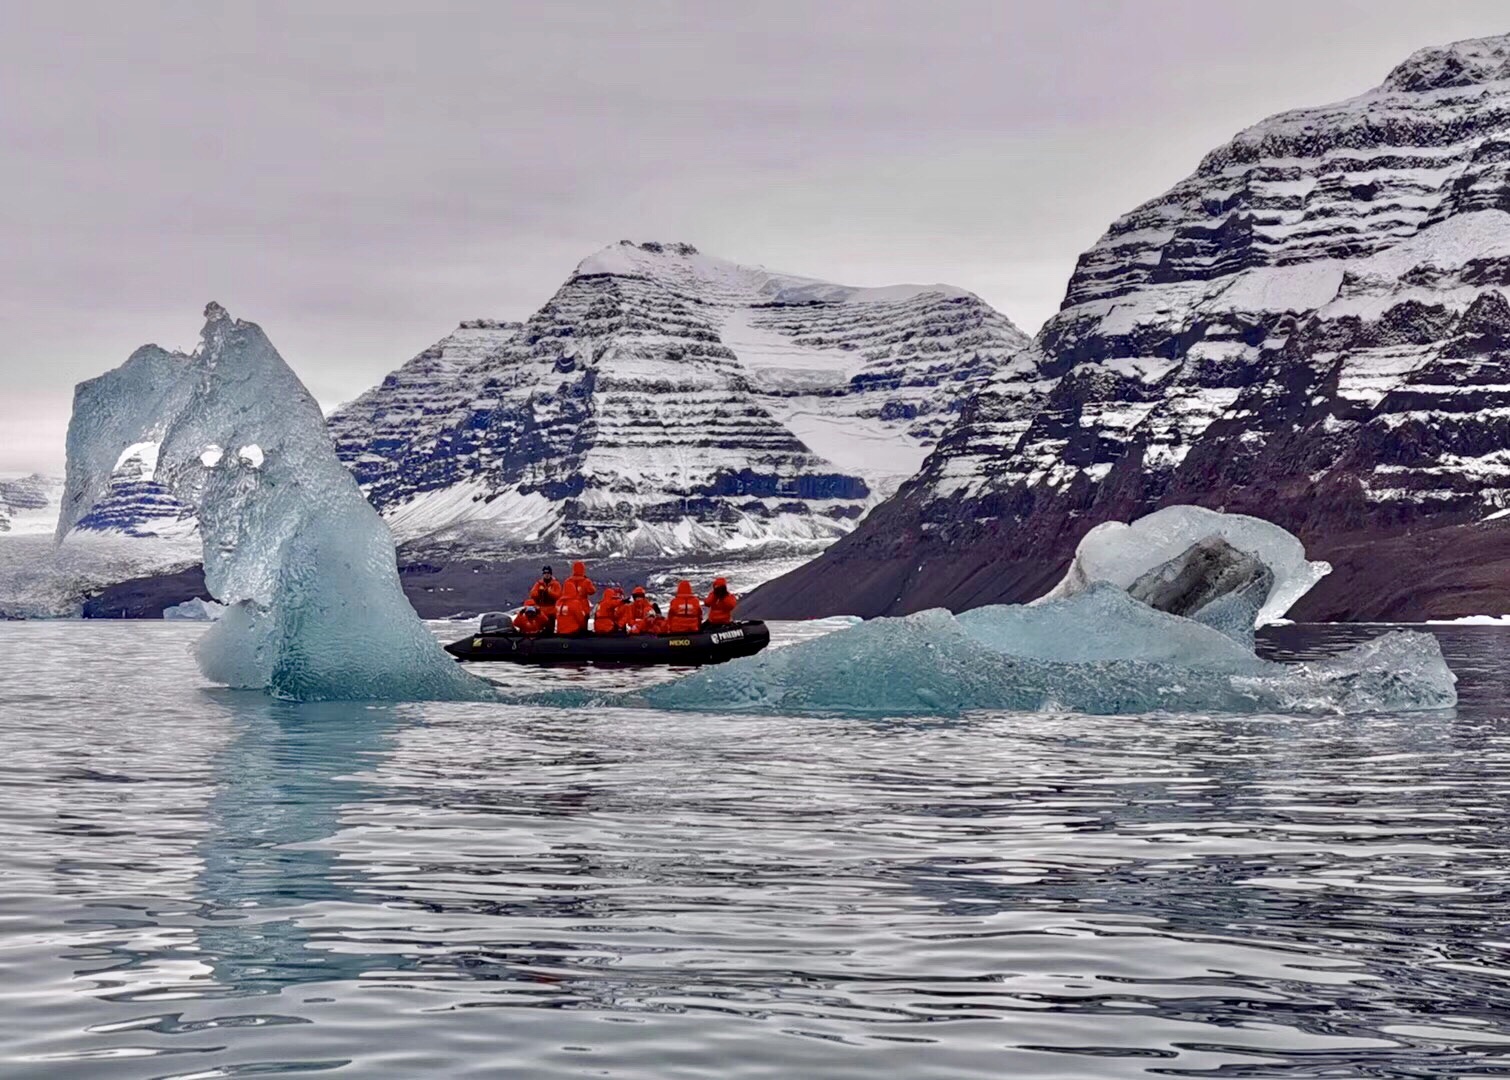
498	640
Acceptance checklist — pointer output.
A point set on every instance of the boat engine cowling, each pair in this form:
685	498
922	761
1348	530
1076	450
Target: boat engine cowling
498	622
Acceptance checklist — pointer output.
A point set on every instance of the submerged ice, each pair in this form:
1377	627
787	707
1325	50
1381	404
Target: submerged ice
303	564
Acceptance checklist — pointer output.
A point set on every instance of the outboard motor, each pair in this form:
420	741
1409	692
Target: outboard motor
498	622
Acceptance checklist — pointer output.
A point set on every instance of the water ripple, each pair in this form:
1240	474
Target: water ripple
199	883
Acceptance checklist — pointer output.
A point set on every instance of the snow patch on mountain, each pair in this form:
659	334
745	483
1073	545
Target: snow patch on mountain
683	266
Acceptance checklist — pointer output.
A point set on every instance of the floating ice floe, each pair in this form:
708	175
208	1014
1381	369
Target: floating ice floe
301	561
1098	643
1100	651
195	610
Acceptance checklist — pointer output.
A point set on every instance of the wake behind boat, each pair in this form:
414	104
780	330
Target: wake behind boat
497	639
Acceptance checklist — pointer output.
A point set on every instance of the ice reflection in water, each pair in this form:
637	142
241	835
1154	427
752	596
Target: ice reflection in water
199	882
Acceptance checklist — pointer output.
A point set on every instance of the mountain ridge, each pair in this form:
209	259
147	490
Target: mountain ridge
667	402
1311	327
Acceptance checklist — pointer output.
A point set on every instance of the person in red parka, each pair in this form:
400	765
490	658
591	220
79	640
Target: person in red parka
639	614
545	593
605	620
585	587
685	615
572	612
531	621
720	603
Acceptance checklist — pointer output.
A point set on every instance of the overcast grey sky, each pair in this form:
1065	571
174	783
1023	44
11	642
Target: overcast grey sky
358	177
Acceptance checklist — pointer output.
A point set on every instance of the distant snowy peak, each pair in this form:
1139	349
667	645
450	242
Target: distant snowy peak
135	503
1335	182
29	504
866	377
668	402
1444	67
682	265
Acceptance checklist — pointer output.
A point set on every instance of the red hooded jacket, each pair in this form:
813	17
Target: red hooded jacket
685	614
720	603
605	619
585	587
544	595
572	612
638	614
531	624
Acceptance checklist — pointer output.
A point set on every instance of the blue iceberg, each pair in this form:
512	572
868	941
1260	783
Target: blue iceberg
1099	651
301	561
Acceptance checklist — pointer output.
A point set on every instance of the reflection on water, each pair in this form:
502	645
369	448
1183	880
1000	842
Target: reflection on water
199	882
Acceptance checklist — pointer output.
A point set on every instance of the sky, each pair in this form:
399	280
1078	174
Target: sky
359	177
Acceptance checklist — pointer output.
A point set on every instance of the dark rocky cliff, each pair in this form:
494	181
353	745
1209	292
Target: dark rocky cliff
1311	328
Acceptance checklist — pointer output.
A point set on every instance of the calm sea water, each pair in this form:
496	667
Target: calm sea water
203	883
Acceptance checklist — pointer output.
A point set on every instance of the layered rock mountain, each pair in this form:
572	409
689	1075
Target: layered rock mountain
665	407
29	504
1311	328
668	403
134	532
135	503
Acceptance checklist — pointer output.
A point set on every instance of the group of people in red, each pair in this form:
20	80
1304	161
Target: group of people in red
565	607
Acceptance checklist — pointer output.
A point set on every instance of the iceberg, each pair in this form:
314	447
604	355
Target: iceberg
1098	652
1104	623
195	610
1155	616
302	563
1122	553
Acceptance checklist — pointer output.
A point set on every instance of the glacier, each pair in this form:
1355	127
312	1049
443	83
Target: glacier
1099	652
303	564
28	503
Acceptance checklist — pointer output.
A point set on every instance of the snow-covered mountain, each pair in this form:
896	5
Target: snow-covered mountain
133	532
665	402
107	549
135	503
1311	328
29	504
